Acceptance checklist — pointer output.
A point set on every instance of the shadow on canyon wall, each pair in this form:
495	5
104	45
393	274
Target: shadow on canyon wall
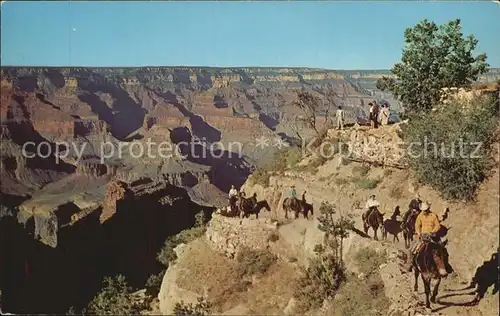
125	117
228	168
36	278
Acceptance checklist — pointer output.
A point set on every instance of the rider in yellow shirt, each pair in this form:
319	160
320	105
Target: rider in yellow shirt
426	225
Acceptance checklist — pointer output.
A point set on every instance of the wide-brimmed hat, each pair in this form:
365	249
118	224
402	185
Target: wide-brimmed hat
425	206
292	186
372	196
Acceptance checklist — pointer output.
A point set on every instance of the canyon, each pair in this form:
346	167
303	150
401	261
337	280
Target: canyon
73	213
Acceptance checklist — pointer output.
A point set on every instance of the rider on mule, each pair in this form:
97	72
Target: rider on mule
426	226
292	194
414	206
370	206
233	196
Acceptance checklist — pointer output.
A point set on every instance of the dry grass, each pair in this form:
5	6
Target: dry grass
206	270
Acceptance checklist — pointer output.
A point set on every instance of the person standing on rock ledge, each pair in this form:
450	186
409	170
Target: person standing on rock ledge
340	118
233	196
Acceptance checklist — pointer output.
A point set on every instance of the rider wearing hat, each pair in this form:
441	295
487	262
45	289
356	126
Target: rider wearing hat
426	226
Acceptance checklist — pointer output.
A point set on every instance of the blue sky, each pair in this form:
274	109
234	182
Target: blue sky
334	35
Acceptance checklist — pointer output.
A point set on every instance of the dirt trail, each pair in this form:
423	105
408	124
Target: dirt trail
454	296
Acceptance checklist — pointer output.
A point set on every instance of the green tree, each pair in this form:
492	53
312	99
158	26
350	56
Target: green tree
336	230
115	298
434	57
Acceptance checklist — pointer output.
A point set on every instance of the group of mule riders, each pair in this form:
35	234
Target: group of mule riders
427	226
234	195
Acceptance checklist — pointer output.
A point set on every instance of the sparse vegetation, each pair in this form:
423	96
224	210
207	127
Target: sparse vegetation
274	237
341	181
281	160
115	299
167	253
455	144
387	172
201	308
153	283
326	272
312	167
367	183
361	171
396	192
361	297
320	281
369	260
252	262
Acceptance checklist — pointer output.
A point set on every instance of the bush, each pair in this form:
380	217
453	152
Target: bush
274	237
366	183
396	192
320	281
167	253
369	260
312	167
202	308
153	283
341	181
260	176
450	167
362	297
115	299
251	262
294	156
361	170
280	161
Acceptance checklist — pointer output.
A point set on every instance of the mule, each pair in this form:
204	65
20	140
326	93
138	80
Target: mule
408	226
301	207
392	226
256	209
374	219
431	264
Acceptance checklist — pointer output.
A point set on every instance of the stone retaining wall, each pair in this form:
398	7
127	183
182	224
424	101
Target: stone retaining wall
228	234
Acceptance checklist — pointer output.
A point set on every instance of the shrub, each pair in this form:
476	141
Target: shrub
251	262
361	170
396	192
293	157
341	181
167	253
280	161
274	237
450	167
320	281
387	172
201	308
153	283
260	176
361	297
312	167
369	260
114	299
366	183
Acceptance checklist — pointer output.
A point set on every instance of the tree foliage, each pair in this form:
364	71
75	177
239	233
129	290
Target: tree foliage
114	299
336	230
201	308
449	149
434	57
